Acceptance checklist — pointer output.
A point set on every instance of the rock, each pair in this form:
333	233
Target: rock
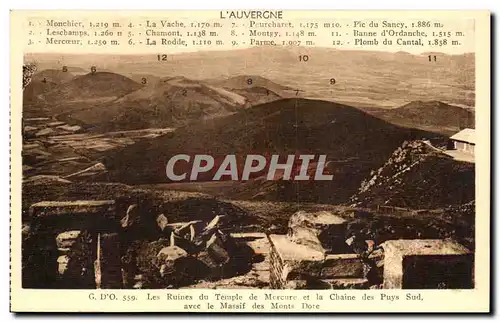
357	244
291	261
207	232
307	228
175	266
376	287
139	285
171	260
80	267
427	264
162	222
216	248
130	217
349	241
67	239
348	283
215	255
192	233
213	223
377	256
172	239
93	208
181	227
308	237
370	244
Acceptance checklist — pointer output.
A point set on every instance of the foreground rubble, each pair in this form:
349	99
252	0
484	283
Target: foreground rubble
87	244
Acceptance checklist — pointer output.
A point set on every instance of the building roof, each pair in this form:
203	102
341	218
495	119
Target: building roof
466	135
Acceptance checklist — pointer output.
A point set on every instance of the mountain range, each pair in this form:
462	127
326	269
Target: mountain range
360	78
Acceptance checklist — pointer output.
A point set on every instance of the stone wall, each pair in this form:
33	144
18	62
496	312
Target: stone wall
67	241
301	260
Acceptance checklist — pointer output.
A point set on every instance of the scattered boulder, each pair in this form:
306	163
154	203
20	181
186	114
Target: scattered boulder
216	249
139	285
218	254
322	231
162	221
62	262
170	257
207	232
130	217
67	239
175	265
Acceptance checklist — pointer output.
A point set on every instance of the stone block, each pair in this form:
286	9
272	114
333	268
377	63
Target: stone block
56	216
110	265
62	264
67	239
291	261
174	263
131	216
427	264
162	222
309	227
85	207
215	253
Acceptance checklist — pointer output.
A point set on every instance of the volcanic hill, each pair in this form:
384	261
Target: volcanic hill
251	81
418	176
430	115
169	102
44	82
91	86
354	142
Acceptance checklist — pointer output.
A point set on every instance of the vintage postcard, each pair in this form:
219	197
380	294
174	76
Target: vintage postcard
250	161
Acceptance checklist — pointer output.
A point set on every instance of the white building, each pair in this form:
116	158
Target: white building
464	140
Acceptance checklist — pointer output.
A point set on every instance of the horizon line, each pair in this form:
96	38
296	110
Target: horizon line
278	47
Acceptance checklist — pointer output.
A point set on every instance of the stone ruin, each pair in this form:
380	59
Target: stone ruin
84	244
76	241
314	254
